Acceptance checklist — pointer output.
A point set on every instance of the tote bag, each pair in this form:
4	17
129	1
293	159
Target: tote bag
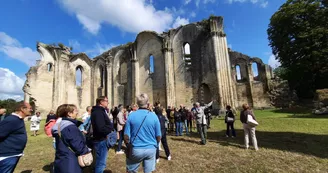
251	121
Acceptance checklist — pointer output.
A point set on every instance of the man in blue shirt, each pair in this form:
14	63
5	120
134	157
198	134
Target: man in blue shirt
13	137
145	141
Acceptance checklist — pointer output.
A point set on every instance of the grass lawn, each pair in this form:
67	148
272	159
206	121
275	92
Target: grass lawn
289	142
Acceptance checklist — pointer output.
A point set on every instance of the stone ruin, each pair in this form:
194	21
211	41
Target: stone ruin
184	65
321	102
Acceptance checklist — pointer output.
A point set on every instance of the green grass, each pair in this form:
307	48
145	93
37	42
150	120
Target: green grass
288	141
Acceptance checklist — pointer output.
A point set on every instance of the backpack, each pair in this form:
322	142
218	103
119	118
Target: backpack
48	127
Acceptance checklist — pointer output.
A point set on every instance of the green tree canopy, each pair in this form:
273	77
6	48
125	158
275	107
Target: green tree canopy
298	35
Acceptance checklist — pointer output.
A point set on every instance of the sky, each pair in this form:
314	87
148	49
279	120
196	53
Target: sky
94	26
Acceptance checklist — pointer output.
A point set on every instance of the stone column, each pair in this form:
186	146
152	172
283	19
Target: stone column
169	79
135	73
60	92
109	81
250	82
26	97
222	61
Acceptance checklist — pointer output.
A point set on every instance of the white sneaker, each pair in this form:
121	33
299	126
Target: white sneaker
157	160
169	158
120	152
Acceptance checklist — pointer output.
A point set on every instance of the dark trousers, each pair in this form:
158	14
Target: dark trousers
165	146
202	130
121	134
230	125
208	119
189	124
8	165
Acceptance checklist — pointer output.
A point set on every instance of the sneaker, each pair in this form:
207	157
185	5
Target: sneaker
227	136
169	158
120	152
157	160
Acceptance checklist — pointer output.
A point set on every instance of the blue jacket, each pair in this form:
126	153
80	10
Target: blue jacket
13	136
66	158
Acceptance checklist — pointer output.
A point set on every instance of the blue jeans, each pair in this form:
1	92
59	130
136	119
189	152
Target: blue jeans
101	151
8	165
185	124
121	133
179	128
147	156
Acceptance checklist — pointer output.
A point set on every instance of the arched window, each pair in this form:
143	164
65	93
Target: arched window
238	73
151	64
78	76
49	67
255	71
187	55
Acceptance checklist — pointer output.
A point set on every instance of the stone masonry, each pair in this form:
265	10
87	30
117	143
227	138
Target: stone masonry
191	63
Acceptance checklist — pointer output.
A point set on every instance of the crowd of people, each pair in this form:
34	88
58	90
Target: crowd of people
142	127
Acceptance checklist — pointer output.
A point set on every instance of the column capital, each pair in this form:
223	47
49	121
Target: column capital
134	60
167	50
218	33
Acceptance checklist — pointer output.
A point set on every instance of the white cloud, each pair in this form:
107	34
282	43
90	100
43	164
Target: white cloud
75	44
192	14
13	49
208	1
262	3
10	85
98	49
197	3
180	21
129	15
273	62
186	2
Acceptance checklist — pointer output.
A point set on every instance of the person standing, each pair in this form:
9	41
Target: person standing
101	126
230	120
189	118
51	116
248	129
163	119
87	114
178	122
120	128
201	121
2	113
70	142
13	137
35	123
143	131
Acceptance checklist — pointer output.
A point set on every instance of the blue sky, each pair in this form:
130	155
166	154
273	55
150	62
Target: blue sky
93	26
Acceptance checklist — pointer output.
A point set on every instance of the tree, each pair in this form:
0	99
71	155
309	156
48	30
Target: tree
298	35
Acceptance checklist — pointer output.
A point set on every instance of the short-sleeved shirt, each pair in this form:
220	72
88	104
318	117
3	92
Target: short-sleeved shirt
151	128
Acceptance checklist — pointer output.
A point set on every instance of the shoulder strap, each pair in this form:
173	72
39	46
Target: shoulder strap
139	128
59	134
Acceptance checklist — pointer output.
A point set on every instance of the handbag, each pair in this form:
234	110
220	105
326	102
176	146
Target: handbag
83	160
111	139
129	146
229	119
251	121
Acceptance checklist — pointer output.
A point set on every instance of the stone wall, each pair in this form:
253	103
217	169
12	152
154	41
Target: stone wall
121	73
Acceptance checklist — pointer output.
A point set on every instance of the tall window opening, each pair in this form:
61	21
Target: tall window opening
151	64
78	76
255	71
187	55
102	76
49	67
238	73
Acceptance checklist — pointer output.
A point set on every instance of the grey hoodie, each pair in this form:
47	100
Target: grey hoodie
199	113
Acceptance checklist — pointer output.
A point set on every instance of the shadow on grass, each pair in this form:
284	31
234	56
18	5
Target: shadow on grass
48	168
308	116
310	144
27	171
297	110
